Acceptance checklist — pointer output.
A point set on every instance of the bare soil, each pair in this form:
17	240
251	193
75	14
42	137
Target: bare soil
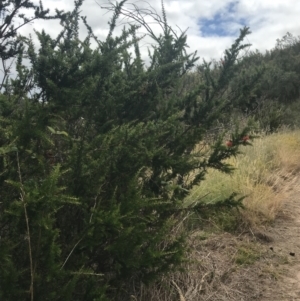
275	274
286	244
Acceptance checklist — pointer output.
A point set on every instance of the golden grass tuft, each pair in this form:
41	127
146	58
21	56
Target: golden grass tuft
263	173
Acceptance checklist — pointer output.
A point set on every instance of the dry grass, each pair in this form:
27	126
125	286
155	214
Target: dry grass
217	270
226	266
263	174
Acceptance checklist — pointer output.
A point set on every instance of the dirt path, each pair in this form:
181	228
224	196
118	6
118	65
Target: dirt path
286	248
262	264
274	276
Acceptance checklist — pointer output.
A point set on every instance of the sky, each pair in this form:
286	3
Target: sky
212	25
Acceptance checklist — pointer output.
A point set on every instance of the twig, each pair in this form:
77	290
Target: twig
22	195
202	281
88	274
95	204
71	253
181	296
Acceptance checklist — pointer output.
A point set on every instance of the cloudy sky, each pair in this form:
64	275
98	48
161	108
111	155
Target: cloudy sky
212	24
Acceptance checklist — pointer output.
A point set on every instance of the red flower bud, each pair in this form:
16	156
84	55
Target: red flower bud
229	143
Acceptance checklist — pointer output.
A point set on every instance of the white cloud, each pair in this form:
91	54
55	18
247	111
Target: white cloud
268	21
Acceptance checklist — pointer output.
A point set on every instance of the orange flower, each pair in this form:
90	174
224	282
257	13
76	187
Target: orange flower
229	143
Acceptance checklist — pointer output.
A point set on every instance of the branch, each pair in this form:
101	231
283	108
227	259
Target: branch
22	198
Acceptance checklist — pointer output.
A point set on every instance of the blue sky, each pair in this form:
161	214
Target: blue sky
212	24
222	22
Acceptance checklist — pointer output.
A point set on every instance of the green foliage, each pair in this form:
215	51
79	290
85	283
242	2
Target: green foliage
247	255
276	76
97	156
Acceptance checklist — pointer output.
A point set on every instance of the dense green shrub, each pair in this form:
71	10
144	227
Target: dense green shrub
276	75
97	153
